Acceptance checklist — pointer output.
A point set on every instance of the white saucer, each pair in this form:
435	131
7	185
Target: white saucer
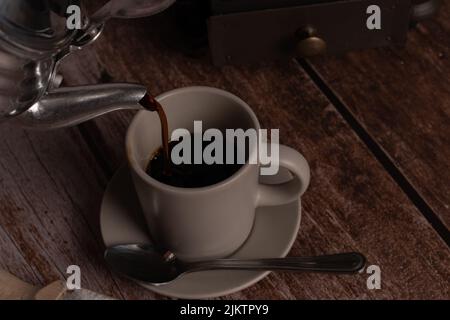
273	235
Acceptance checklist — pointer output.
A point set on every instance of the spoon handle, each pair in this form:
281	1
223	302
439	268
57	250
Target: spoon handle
338	263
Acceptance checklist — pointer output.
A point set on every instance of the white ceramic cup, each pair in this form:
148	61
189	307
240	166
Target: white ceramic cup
213	221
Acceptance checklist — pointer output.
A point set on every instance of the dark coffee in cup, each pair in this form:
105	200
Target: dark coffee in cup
190	175
186	175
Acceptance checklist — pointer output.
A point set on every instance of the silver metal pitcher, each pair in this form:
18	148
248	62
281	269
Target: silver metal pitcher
34	39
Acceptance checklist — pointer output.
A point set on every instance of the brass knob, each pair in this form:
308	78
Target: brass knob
309	43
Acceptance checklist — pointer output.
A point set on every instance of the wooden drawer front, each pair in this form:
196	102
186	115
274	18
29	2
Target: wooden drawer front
272	34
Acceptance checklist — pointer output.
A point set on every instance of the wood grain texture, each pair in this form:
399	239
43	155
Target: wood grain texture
50	193
402	98
352	204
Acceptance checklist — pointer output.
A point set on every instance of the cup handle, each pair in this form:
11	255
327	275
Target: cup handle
279	194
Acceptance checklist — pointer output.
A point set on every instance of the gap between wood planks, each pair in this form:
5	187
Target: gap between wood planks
378	152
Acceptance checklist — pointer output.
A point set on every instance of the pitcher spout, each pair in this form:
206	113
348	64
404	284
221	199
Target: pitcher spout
70	106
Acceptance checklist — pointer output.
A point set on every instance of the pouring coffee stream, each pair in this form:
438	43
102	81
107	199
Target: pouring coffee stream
151	104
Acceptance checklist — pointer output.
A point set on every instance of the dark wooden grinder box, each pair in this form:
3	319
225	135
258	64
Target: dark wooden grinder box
246	31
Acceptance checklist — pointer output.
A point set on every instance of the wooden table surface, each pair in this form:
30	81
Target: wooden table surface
374	126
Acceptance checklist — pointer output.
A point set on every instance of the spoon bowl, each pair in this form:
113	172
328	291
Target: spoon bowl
143	263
